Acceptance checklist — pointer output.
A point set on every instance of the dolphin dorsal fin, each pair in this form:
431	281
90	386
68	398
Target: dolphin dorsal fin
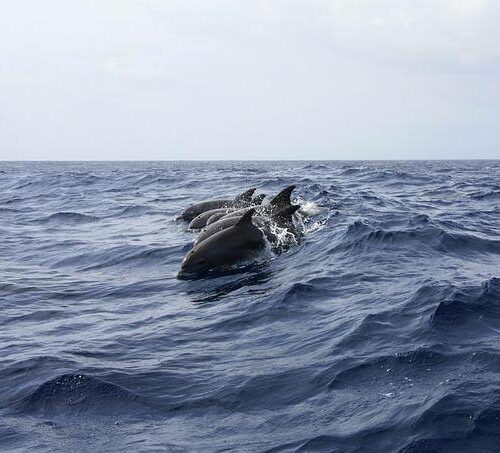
287	211
246	218
283	198
245	196
258	199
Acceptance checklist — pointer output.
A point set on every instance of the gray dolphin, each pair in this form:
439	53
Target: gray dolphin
201	220
213	215
282	218
280	201
242	200
225	248
256	201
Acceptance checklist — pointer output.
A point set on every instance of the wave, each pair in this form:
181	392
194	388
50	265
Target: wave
486	195
412	362
469	305
80	394
360	235
287	387
73	218
349	171
149	180
82	179
291	302
315	167
66	180
457	420
132	211
36	316
433	311
9	211
121	255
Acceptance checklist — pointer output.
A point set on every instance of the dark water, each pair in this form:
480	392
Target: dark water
380	331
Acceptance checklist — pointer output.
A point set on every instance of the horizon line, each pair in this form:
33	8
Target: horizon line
252	160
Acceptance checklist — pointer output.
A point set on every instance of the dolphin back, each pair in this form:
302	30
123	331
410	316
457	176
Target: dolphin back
225	248
199	208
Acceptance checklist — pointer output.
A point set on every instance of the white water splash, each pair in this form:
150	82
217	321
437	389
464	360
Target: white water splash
284	237
301	220
315	226
307	208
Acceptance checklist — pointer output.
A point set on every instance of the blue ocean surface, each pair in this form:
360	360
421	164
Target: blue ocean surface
378	331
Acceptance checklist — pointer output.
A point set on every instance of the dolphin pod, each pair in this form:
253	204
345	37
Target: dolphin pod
282	218
280	201
235	230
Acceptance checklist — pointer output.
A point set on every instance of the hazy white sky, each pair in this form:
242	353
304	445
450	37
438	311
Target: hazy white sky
249	79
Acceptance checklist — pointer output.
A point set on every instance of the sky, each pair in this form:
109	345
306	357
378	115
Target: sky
249	79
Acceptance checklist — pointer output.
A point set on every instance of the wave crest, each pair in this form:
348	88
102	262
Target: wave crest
80	394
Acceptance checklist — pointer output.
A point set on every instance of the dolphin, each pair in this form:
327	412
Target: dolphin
225	248
256	201
218	215
201	220
280	201
213	215
241	200
282	218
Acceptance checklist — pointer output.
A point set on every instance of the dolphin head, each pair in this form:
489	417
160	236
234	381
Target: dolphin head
195	262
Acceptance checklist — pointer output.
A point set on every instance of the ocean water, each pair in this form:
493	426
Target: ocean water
379	331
